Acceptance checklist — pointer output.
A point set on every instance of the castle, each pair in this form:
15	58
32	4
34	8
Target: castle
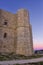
16	32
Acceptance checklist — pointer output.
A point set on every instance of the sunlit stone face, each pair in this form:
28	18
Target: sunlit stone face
15	33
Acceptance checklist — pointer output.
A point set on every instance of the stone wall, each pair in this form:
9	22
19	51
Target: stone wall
7	29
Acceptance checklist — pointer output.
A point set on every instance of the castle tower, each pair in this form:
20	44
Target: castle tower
7	31
24	33
16	33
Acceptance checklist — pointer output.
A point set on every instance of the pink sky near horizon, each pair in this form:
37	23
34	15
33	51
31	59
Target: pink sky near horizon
37	45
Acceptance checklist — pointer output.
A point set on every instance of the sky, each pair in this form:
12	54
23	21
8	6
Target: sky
35	8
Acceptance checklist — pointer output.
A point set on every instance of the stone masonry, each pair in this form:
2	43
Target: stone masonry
16	32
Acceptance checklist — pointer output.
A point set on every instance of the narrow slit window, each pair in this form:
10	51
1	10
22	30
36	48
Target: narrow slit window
5	35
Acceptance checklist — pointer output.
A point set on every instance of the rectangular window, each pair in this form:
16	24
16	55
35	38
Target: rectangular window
5	35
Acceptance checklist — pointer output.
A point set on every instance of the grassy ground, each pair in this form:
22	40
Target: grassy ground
13	56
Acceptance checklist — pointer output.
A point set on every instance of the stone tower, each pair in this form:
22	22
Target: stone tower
24	33
16	33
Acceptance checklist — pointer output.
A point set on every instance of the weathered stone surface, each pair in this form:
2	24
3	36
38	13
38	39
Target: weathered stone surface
24	34
18	32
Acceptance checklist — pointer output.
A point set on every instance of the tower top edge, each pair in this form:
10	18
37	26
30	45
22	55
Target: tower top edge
2	10
19	10
22	9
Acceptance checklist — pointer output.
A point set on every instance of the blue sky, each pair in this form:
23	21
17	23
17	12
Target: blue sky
35	8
